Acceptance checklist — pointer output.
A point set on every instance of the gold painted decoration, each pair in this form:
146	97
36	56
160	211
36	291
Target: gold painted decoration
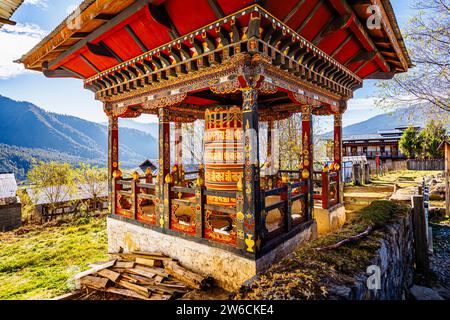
250	243
305	174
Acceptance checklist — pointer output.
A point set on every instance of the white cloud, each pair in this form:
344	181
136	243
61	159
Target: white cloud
38	3
16	41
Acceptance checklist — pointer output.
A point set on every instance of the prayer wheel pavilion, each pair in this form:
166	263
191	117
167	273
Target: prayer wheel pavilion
234	65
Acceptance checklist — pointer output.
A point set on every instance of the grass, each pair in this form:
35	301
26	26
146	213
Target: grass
37	262
307	274
403	178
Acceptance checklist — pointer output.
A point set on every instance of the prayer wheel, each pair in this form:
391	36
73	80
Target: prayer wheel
224	151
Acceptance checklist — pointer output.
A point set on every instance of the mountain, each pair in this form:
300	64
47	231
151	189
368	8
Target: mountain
150	128
381	122
27	131
385	121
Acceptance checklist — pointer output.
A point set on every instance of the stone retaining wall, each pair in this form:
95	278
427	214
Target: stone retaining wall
395	258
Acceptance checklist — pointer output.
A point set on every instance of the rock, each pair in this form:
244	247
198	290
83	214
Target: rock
424	293
438	188
341	292
404	195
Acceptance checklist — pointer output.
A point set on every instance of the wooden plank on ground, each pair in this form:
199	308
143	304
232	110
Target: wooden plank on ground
127	293
111	275
159	279
124	264
136	288
190	278
159	271
141	279
152	255
94	269
141	272
94	282
149	262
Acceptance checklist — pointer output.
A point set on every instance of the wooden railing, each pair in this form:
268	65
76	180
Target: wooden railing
290	194
184	208
326	188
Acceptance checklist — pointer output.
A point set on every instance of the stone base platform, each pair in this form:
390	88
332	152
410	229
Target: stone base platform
329	220
229	269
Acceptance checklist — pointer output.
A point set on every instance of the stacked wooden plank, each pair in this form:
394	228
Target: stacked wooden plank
139	275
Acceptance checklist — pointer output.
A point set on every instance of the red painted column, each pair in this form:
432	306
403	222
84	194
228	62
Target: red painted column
338	152
162	215
307	144
113	153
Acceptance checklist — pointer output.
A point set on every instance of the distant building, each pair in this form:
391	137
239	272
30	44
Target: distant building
10	207
383	144
149	163
67	203
190	169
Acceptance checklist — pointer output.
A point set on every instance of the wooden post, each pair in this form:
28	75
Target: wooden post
307	144
288	208
199	209
338	153
420	235
113	154
178	144
325	189
253	228
240	243
134	193
117	175
164	166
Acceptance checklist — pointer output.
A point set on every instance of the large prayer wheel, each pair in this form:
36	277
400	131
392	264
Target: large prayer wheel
224	151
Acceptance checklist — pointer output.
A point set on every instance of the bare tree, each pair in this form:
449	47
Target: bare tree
427	85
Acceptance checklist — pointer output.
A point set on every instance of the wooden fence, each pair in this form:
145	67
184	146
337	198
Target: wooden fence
427	164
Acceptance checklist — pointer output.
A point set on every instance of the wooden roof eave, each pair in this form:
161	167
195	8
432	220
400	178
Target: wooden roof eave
66	30
7	9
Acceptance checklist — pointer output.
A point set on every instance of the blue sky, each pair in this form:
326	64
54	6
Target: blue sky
36	18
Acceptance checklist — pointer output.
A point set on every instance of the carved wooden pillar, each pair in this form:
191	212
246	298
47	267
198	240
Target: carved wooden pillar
308	149
338	153
113	153
254	224
270	154
164	167
338	140
178	144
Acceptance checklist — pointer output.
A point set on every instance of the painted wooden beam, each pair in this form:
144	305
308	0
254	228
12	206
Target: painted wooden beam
89	63
136	39
293	11
159	13
101	49
361	56
343	43
7	21
61	73
215	6
104	16
343	8
334	25
135	7
310	16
